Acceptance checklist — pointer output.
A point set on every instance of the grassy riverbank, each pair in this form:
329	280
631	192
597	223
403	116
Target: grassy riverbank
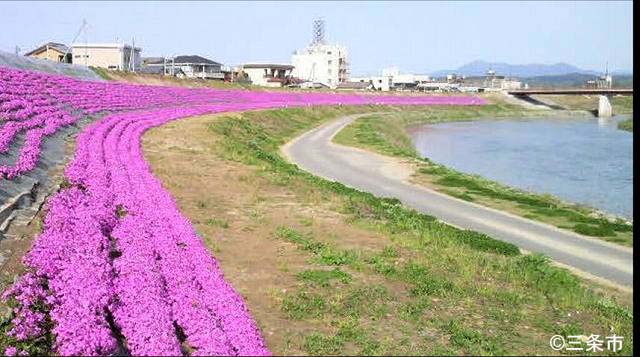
386	134
626	124
621	104
326	269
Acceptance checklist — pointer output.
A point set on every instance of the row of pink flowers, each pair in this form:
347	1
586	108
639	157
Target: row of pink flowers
117	266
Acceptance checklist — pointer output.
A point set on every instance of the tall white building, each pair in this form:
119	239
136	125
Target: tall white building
321	62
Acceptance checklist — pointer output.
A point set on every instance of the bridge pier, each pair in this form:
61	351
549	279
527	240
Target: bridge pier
604	107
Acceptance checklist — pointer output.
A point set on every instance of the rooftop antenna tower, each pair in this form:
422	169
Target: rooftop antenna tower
318	31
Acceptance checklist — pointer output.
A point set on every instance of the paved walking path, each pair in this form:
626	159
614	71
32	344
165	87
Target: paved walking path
388	177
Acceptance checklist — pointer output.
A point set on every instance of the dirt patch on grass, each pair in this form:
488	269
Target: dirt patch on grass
237	209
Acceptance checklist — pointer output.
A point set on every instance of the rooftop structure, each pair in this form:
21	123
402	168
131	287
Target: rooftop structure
321	62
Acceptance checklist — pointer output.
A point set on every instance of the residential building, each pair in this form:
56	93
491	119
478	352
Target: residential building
113	56
193	66
234	74
392	79
354	86
152	65
442	86
52	51
184	66
494	82
321	62
268	75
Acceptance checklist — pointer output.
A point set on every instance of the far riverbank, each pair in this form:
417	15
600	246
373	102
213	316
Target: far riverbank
387	134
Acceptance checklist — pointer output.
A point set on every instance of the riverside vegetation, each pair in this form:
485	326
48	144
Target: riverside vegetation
326	269
386	134
626	124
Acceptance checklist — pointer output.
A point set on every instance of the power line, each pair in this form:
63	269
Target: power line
82	27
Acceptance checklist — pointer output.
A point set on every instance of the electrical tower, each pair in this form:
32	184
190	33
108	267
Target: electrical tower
318	32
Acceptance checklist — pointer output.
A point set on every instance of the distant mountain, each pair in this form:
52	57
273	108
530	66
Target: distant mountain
575	80
622	72
480	68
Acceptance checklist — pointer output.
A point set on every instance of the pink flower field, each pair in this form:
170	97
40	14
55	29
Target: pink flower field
117	267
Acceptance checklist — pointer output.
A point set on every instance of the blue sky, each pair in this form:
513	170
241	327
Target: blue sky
414	36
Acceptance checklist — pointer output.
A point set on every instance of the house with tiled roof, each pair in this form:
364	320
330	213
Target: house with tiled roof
52	51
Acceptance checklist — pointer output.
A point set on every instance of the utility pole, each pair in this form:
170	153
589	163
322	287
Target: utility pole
17	50
132	60
82	27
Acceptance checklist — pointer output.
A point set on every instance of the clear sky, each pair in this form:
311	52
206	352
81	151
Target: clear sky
415	36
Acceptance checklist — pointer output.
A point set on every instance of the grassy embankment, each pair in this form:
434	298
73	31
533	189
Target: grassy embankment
326	269
387	134
626	124
154	79
620	104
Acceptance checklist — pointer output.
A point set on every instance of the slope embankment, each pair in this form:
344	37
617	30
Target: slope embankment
315	152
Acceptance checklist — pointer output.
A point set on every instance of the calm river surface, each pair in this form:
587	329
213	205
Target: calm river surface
582	160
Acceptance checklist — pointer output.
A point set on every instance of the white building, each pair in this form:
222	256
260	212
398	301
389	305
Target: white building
320	62
392	79
268	75
439	87
114	56
379	83
326	64
494	82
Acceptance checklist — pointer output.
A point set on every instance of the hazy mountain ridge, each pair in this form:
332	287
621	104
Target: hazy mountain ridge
575	80
480	68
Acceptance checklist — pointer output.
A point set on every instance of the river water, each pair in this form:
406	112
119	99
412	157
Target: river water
581	160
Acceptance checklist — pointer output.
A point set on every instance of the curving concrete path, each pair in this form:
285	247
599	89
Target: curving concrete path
384	176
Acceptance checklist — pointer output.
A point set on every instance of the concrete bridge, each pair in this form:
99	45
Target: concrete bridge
604	105
577	91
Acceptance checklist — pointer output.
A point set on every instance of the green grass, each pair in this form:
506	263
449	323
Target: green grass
432	289
626	124
622	104
386	133
222	223
324	278
103	73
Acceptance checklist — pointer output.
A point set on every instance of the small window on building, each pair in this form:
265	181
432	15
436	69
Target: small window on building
330	62
328	52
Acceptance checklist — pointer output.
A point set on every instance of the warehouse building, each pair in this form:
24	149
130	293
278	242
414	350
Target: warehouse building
113	56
